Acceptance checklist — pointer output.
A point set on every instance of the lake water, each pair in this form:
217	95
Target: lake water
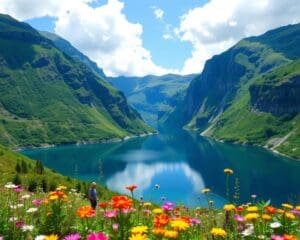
182	164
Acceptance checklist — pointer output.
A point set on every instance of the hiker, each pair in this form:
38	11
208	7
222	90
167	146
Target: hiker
92	195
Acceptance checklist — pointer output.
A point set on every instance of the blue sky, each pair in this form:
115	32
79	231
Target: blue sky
141	37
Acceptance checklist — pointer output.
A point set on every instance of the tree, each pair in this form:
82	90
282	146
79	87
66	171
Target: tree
39	167
44	185
17	180
24	167
32	185
18	168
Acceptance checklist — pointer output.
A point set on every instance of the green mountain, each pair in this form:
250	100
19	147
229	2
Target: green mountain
152	96
248	94
48	97
73	52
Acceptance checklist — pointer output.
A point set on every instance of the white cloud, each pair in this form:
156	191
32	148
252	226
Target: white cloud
217	25
102	33
159	13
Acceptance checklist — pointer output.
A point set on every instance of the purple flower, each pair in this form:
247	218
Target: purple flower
168	206
37	202
296	212
277	237
75	236
19	224
18	189
110	214
97	236
194	221
239	218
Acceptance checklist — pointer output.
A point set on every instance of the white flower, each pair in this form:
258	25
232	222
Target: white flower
275	224
31	210
20	205
26	196
26	228
261	237
40	237
10	185
248	231
13	219
13	206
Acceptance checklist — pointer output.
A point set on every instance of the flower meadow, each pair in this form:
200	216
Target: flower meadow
66	214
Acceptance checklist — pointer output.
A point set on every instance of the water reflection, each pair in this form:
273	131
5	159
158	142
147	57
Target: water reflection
182	164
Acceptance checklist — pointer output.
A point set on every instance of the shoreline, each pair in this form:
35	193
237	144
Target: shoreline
79	143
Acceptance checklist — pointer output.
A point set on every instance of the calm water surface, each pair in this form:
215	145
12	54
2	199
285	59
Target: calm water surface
181	164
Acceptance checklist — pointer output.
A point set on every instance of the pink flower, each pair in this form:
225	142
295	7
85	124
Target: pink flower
75	236
110	214
18	189
277	237
168	206
194	221
115	227
97	236
239	218
37	202
19	224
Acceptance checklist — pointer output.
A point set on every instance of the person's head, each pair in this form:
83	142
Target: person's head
93	184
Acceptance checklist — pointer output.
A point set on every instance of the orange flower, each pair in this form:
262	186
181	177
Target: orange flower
289	237
103	204
57	195
131	188
270	210
85	212
266	217
161	220
158	231
121	202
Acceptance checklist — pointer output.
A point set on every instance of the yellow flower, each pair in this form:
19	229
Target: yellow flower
229	207
139	230
228	171
147	204
179	225
62	187
158	231
286	205
266	217
297	208
205	190
252	209
280	211
218	232
252	216
171	234
51	237
138	237
157	210
290	215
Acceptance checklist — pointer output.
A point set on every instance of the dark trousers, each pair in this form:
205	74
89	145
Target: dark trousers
93	203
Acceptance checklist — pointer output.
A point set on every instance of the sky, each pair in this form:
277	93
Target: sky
141	37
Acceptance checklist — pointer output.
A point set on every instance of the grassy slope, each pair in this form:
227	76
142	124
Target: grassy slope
48	98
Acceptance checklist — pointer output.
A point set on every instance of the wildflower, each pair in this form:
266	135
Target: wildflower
147	204
170	234
289	237
239	218
115	227
40	237
277	237
75	236
248	231
218	232
270	209
131	188
229	207
19	224
157	210
194	221
280	211
168	206
286	205
31	210
37	202
205	190
266	217
138	237
12	219
239	209
160	221
228	171
252	209
18	189
121	202
61	187
51	237
85	212
25	196
251	216
27	228
297	208
253	196
103	205
179	225
139	230
110	214
290	216
275	225
10	185
158	231
97	236
57	195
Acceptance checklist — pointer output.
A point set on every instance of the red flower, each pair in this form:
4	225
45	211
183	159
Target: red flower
131	188
85	212
161	220
103	204
121	202
270	210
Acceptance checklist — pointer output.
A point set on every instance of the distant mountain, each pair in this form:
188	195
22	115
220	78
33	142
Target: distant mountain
152	96
248	94
48	97
68	48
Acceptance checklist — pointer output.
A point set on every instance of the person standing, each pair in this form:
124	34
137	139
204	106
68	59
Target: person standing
92	195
